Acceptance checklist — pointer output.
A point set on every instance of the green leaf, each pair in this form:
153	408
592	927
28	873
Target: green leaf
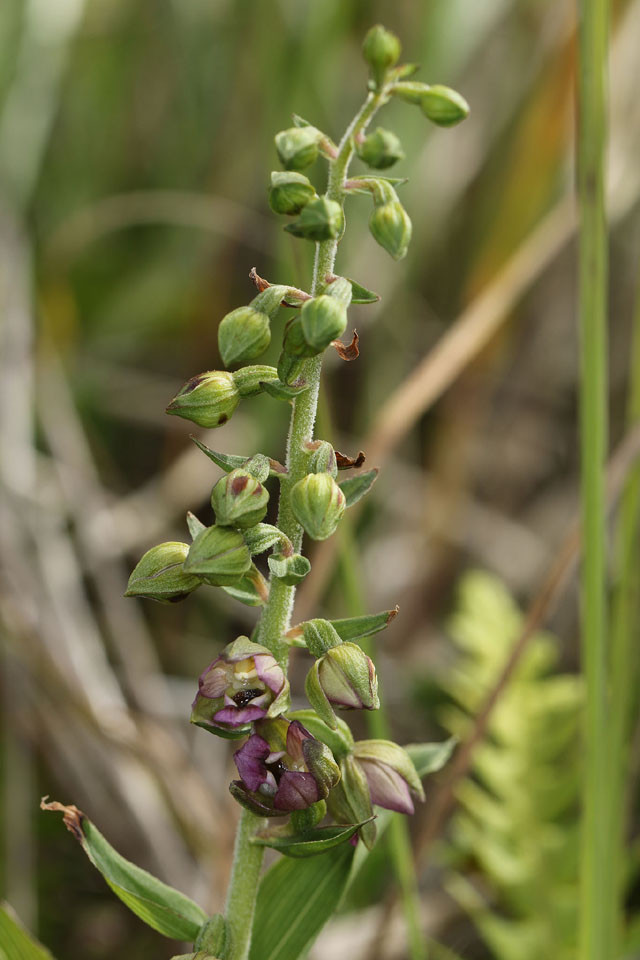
354	628
360	294
431	757
15	942
195	526
161	907
262	536
295	900
229	462
285	391
354	488
308	844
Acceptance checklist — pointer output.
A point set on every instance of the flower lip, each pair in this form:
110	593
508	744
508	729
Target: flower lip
286	769
242	685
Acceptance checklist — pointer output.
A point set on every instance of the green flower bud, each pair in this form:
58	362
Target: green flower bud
219	555
291	570
391	228
321	219
239	500
411	91
318	504
248	380
208	399
322	458
344	676
289	192
323	319
297	147
341	290
444	106
381	50
160	575
258	466
294	342
380	149
289	367
243	335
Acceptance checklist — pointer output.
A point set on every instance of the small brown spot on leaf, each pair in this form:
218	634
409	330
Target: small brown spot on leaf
346	463
222	419
349	351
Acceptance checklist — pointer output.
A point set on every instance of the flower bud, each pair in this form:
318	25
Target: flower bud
160	575
244	684
239	500
213	937
323	319
294	342
391	228
248	380
283	768
289	367
344	676
291	570
380	149
322	458
444	106
289	192
318	504
243	335
341	289
321	219
297	147
381	50
390	773
208	399
219	555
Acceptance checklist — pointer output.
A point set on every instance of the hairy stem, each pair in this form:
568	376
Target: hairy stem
596	873
276	615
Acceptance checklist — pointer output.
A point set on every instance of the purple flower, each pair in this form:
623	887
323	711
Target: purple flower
283	768
390	774
244	684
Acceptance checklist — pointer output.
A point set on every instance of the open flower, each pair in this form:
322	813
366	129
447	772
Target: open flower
283	768
244	684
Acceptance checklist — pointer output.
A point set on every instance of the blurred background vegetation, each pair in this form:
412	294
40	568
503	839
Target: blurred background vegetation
136	140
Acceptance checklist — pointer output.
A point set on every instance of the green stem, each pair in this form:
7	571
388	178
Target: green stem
624	639
595	922
276	615
378	726
241	897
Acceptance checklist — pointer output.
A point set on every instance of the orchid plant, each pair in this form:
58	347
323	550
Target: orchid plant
307	789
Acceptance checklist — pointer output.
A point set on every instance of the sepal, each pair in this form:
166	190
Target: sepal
381	50
208	399
289	192
243	334
297	147
318	504
250	381
239	500
290	569
380	149
321	219
323	319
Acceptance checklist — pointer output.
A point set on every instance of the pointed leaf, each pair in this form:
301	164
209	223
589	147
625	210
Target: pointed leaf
15	942
229	462
311	843
284	391
360	294
353	628
262	536
295	900
354	488
160	906
431	757
195	526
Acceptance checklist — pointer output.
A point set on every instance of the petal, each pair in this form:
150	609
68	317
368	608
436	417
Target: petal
250	761
270	672
214	680
296	735
296	791
388	788
239	716
336	685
